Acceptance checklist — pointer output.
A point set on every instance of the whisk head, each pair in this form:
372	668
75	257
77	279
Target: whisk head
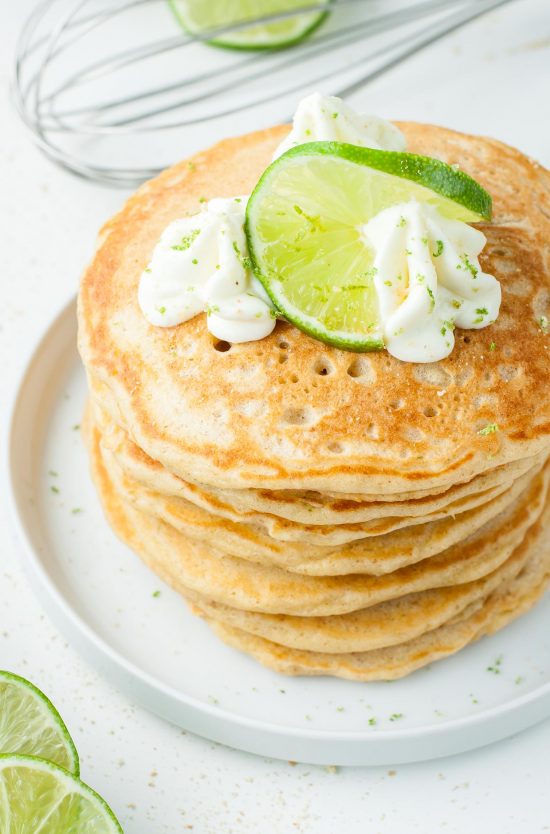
115	90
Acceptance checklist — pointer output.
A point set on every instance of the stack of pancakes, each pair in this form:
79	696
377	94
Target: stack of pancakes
329	512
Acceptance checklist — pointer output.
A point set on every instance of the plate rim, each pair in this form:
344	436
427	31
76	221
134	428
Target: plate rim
345	747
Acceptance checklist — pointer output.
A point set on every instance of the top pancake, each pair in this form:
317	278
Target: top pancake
288	412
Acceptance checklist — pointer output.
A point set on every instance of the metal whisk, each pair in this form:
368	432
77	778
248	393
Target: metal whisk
114	90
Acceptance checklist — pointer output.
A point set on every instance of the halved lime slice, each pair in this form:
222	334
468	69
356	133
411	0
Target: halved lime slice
304	228
199	16
38	796
30	724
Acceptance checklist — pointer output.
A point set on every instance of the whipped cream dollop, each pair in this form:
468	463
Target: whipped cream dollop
328	119
428	280
201	264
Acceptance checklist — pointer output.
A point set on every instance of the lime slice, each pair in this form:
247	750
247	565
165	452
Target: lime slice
304	222
30	724
38	796
199	16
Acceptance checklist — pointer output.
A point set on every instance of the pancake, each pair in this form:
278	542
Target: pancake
259	507
288	412
502	607
182	511
194	569
381	555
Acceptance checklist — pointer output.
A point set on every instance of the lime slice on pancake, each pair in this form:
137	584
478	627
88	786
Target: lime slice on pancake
30	724
199	16
304	222
38	796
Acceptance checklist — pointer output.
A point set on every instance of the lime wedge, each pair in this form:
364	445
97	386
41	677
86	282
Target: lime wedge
30	724
38	796
199	16
304	228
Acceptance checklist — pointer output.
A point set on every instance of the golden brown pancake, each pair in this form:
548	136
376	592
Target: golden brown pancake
501	520
271	510
262	415
329	512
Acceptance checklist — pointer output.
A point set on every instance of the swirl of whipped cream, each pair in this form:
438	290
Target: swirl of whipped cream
328	119
201	264
428	280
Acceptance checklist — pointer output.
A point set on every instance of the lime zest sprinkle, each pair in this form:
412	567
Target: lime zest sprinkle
372	722
162	310
402	222
155	594
439	250
54	489
490	428
495	668
245	261
481	312
544	324
432	298
187	240
396	716
467	265
492	346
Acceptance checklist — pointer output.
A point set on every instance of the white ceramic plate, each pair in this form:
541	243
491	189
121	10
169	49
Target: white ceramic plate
106	603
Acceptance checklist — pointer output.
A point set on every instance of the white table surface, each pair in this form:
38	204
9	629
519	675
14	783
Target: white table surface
491	78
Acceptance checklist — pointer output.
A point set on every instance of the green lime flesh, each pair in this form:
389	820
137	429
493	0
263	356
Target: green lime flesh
198	17
304	229
38	796
31	725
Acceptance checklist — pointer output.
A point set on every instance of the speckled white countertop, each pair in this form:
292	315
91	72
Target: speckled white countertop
490	78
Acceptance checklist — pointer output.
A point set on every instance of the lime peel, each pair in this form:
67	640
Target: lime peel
198	17
30	724
36	794
447	181
304	225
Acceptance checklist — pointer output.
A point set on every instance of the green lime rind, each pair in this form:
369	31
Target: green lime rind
37	795
430	173
339	339
304	227
31	725
282	43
